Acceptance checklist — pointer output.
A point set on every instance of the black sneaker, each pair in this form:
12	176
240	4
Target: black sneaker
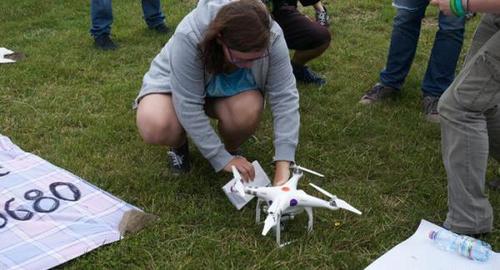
322	17
305	75
179	160
429	108
377	93
104	43
161	28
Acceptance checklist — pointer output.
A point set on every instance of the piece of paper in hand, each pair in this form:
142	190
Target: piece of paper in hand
3	52
261	180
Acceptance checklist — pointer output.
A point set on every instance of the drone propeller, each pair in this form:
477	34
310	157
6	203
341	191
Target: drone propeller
307	170
343	204
328	194
338	202
238	185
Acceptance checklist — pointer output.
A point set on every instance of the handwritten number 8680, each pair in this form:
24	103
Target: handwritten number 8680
37	197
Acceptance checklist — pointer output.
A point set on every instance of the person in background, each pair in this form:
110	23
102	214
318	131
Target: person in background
223	59
470	121
102	17
441	65
309	39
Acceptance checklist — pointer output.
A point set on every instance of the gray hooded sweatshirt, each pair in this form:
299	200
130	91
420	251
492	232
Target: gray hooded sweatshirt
178	70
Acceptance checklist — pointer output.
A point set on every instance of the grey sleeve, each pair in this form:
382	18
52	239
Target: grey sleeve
156	80
157	77
284	101
188	94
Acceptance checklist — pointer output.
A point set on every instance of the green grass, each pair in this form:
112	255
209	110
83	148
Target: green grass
71	104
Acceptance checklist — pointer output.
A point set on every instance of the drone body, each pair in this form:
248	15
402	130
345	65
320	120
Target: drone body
288	200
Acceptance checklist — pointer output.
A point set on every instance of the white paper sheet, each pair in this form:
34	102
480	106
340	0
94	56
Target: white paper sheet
3	52
261	180
419	252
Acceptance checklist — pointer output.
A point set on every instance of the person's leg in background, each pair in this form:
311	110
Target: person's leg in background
442	63
101	14
309	40
404	39
153	15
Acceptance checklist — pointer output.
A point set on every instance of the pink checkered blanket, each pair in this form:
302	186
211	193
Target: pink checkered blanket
49	215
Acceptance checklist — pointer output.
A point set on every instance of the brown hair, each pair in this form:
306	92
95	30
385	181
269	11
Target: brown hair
243	26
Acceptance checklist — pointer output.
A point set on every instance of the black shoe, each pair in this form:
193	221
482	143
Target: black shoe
161	28
305	75
179	160
377	93
104	43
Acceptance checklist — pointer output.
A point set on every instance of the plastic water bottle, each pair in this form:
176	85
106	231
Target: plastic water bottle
469	247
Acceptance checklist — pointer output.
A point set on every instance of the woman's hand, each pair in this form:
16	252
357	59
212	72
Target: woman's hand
282	172
244	167
443	5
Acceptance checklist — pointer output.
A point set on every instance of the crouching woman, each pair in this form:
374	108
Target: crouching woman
223	59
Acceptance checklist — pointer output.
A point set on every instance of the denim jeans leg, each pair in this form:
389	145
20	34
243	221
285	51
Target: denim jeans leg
444	56
101	15
152	13
404	40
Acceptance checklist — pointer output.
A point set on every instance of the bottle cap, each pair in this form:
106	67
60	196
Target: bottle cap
432	234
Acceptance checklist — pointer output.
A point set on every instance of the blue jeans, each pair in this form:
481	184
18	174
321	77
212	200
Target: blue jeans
102	15
445	51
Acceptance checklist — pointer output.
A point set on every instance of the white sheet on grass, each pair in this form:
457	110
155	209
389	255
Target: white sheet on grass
418	252
47	239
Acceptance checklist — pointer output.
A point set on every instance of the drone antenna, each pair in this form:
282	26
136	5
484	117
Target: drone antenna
307	170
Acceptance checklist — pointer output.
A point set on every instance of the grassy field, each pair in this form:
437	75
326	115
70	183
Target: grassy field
71	104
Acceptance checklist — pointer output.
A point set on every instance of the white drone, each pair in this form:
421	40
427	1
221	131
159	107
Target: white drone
285	201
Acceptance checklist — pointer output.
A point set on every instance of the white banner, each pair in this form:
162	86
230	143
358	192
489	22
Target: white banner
48	215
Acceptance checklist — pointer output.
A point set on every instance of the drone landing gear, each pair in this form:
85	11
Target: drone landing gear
310	221
282	218
278	234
